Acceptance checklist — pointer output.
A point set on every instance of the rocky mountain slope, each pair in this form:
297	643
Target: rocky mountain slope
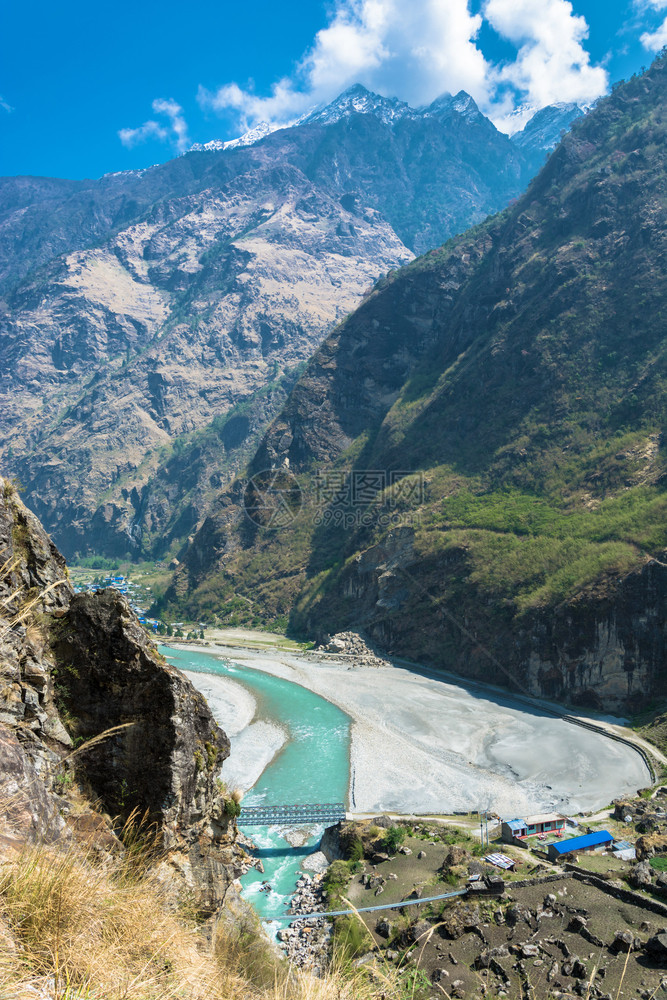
153	321
77	667
472	467
544	130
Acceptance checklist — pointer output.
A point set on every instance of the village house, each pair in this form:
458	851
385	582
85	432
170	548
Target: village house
586	844
515	831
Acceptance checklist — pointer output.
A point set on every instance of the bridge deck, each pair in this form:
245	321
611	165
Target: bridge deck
327	812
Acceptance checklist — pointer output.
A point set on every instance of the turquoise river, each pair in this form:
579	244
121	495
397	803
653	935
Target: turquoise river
312	766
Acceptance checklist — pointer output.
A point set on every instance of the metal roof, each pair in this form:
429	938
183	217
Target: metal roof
628	855
622	845
519	824
500	860
581	843
515	824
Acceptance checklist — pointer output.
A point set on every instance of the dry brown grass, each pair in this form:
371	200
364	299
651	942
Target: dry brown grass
35	633
107	933
27	609
78	930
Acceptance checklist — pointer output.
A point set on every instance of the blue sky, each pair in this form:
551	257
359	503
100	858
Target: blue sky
87	89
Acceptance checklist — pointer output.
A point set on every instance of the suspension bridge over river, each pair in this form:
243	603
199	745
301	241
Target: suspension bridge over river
326	812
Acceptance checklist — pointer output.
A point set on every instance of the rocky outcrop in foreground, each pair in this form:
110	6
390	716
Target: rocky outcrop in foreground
75	667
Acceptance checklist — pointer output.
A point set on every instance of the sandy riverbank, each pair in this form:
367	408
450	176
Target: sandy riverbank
254	742
426	745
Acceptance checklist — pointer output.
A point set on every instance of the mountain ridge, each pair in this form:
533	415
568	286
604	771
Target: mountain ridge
541	132
141	310
514	380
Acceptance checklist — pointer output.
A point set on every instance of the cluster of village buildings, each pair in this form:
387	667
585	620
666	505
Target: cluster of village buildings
553	833
124	586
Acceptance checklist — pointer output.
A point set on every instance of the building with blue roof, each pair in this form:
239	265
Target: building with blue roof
579	845
516	830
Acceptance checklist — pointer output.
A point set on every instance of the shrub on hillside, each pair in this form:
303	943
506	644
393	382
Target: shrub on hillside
393	838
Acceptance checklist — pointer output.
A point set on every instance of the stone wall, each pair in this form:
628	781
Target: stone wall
626	895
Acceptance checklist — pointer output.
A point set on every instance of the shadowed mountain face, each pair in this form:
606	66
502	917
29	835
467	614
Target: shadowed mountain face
480	447
152	322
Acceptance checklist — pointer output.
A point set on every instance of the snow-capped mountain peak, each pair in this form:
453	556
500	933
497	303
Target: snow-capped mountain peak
464	105
461	103
542	131
359	100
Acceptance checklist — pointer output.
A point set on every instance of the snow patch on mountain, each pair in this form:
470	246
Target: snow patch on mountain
464	105
460	104
249	138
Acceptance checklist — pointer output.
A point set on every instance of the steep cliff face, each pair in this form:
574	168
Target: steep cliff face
74	667
141	311
109	674
605	648
480	448
34	585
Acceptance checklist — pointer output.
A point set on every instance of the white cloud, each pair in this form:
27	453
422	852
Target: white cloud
654	41
174	112
418	50
5	105
175	131
414	51
149	130
551	64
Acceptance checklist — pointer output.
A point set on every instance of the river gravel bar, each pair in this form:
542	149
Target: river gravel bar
422	744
